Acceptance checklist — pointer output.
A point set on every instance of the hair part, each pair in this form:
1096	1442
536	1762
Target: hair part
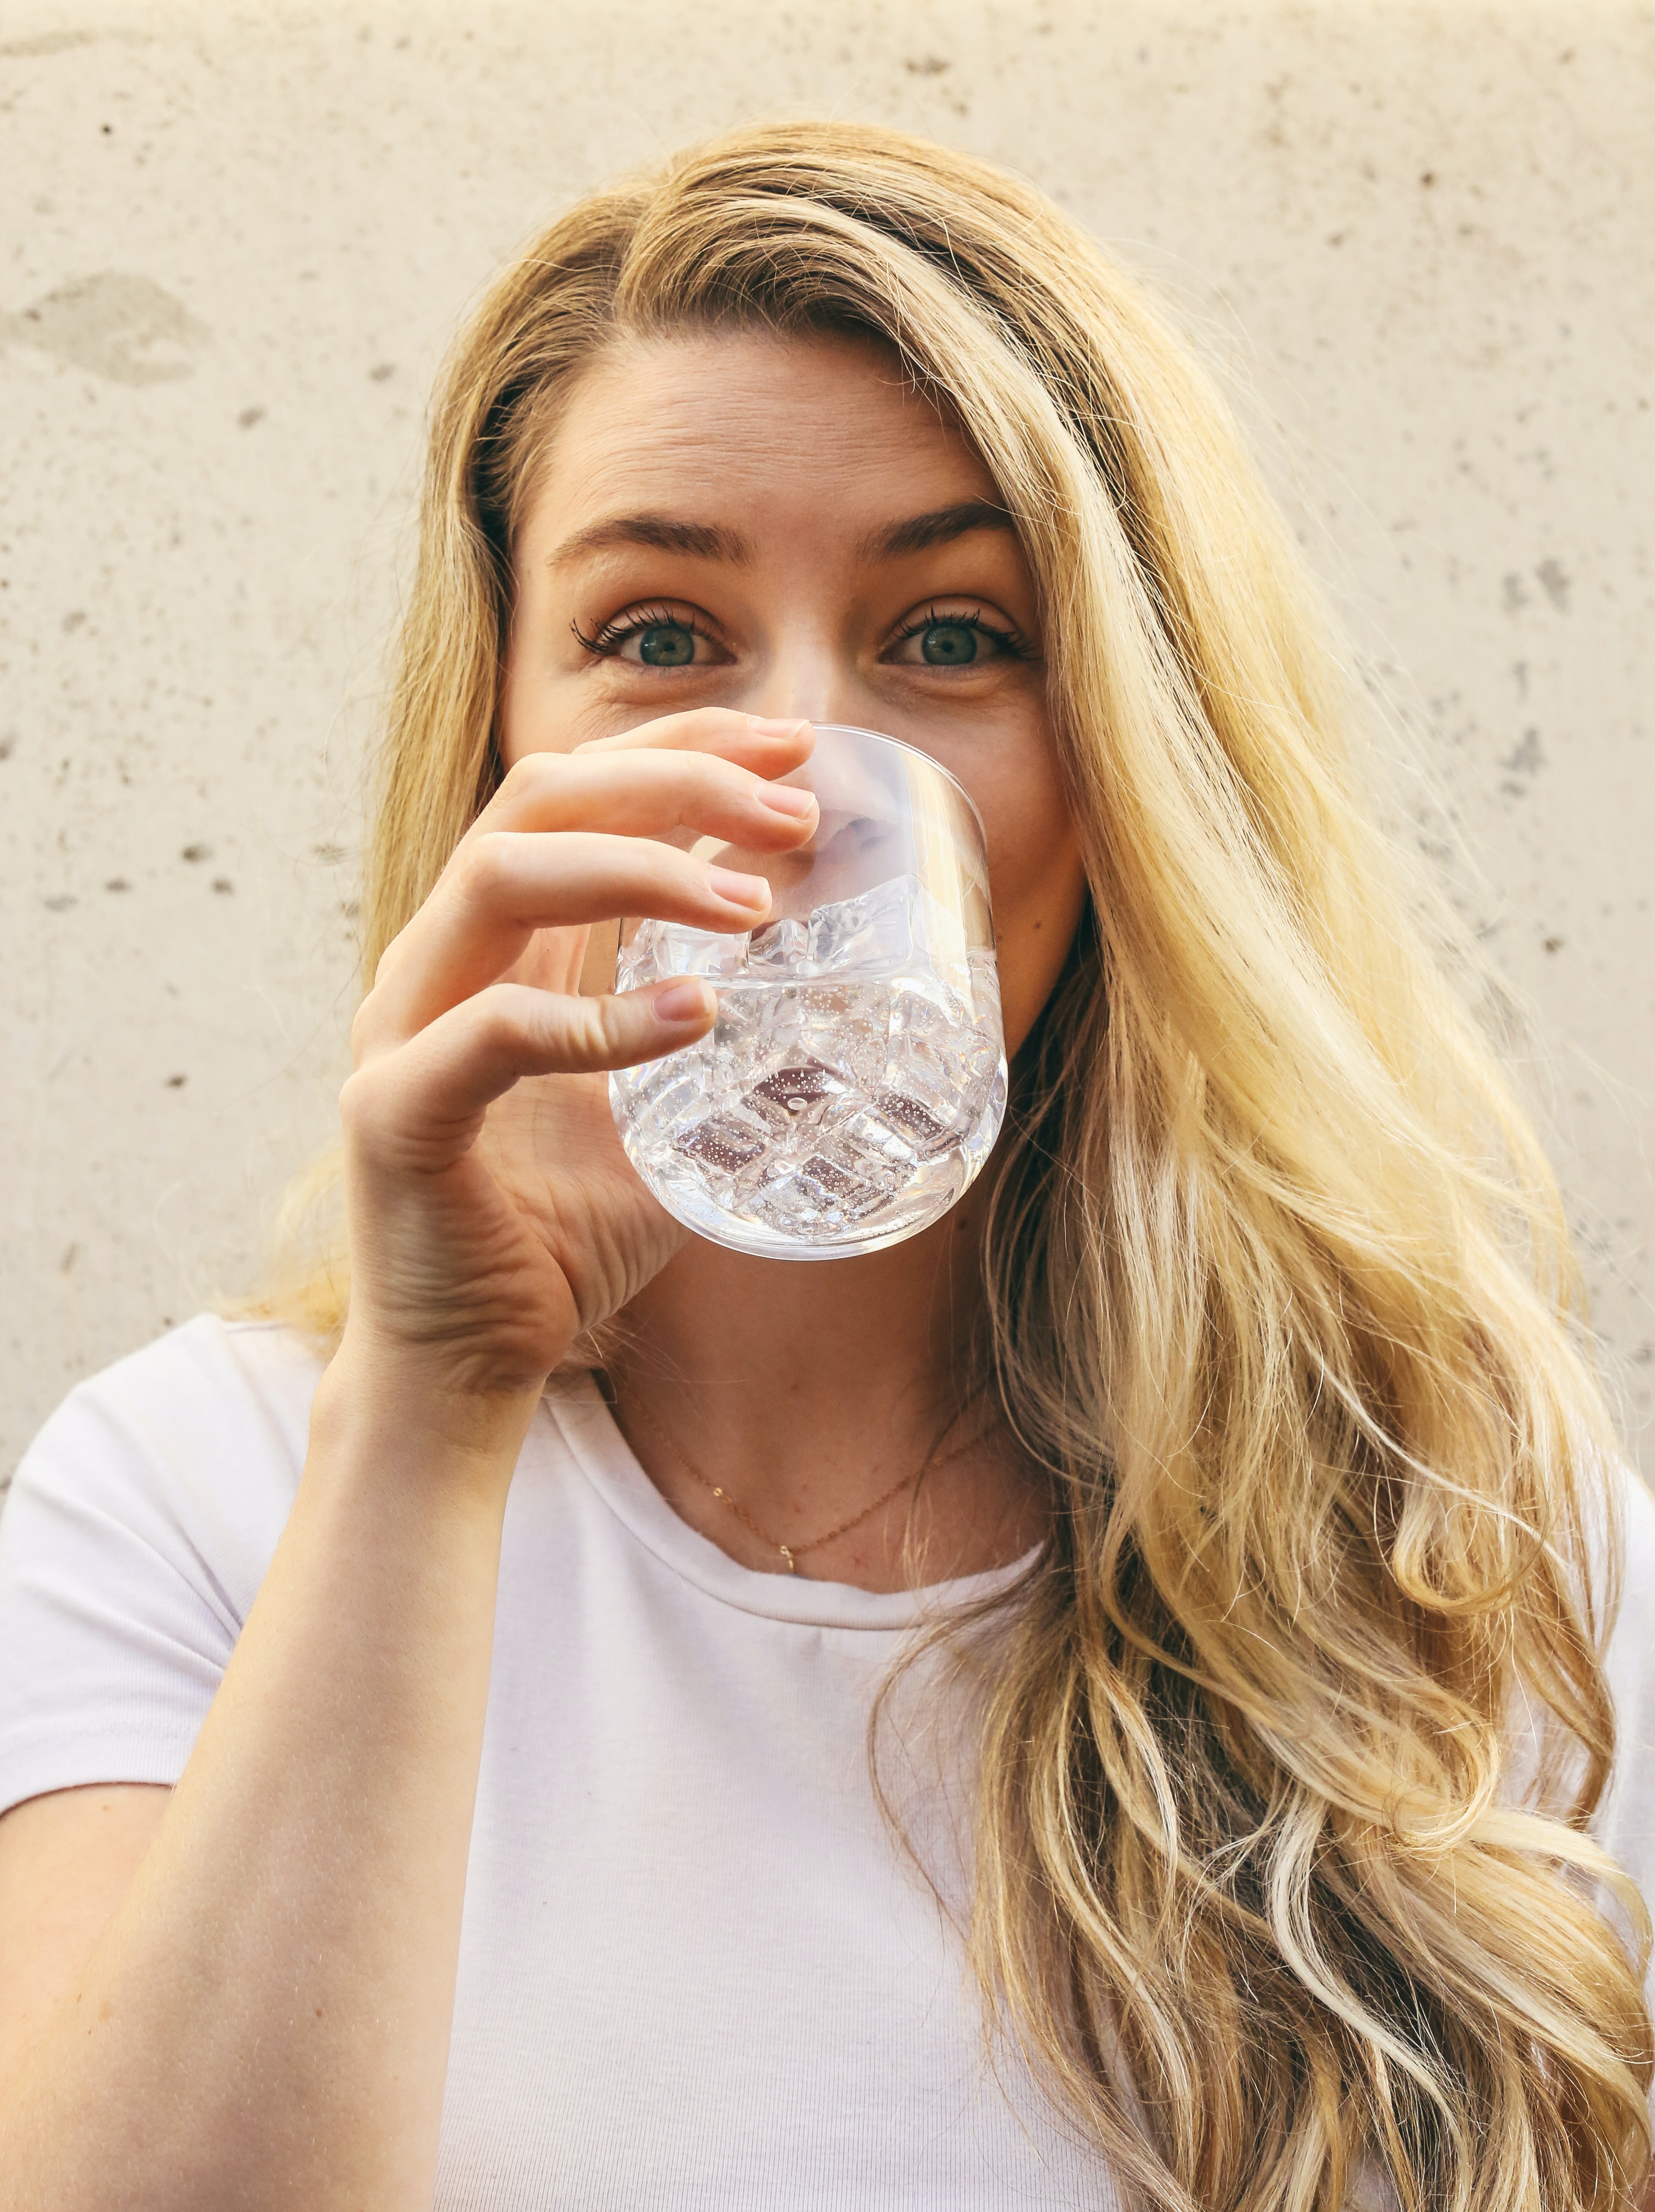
1279	1287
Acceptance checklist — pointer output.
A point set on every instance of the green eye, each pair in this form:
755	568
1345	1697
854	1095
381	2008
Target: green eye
949	644
667	645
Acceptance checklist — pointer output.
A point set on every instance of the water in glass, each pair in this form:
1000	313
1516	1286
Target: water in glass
852	1086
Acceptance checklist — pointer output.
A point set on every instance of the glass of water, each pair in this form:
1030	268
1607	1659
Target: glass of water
855	1080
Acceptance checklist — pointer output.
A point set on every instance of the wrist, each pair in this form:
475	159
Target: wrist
398	1410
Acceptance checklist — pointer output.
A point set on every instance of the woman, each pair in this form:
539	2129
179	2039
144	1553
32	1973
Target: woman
1243	1821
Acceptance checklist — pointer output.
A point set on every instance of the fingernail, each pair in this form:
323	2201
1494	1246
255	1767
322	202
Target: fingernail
788	799
740	891
681	1002
769	726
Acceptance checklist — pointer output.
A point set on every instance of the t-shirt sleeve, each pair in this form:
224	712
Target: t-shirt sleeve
135	1537
1626	1819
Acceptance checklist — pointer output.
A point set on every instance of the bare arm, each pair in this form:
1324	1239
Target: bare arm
66	1861
266	2018
263	2020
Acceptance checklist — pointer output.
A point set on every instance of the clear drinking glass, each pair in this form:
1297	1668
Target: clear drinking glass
855	1080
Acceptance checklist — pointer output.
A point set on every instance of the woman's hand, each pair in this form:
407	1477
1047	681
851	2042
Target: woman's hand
492	1213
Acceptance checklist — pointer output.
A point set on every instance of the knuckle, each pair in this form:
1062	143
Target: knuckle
486	868
531	775
360	1103
388	964
591	1026
498	1019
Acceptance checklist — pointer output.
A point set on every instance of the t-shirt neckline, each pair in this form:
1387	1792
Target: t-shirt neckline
576	1406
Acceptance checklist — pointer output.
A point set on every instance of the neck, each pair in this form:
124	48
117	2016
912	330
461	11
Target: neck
805	1390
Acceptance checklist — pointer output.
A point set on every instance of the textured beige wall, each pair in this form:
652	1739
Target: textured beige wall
234	241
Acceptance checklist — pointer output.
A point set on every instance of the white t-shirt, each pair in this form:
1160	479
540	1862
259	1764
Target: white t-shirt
696	1971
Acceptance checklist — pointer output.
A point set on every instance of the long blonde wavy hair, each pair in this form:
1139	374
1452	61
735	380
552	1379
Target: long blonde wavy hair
1278	1286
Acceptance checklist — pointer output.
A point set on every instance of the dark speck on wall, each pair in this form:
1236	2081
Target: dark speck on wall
222	883
118	883
62	904
1554	582
176	1082
381	370
1552	943
193	853
1526	758
249	416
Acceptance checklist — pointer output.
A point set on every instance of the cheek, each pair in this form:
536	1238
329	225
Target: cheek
1033	848
1039	883
541	695
528	720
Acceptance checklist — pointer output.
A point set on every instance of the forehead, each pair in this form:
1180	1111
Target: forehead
756	422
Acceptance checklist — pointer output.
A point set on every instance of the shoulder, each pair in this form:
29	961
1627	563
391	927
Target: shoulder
193	1444
138	1531
1629	1651
1626	1819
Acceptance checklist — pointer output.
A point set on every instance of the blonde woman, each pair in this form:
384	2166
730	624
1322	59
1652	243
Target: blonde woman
512	1727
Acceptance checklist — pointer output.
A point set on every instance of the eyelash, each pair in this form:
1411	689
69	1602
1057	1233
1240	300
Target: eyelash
1010	641
608	639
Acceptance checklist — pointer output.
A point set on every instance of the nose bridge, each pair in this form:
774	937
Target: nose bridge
811	671
806	671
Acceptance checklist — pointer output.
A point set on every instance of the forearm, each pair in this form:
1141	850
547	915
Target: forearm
266	2021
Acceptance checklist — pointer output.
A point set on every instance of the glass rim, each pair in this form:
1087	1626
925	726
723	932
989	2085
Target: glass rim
861	730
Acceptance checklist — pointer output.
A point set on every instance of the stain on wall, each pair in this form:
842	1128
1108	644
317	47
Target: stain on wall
121	327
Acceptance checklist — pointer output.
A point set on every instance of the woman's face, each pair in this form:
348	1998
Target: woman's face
781	526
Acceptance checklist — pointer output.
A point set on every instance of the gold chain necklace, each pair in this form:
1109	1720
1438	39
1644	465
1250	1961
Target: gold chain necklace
793	1552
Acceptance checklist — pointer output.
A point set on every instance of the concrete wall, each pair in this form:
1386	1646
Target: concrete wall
236	240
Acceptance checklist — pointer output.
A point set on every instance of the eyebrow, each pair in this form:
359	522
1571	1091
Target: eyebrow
940	527
705	541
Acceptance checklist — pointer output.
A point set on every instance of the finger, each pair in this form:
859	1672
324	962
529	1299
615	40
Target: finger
649	793
769	744
505	885
421	1105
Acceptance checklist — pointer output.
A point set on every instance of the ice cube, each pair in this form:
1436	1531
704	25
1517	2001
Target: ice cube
778	950
873	930
796	1095
845	1026
814	1199
917	1121
984	993
938	933
722	1142
664	948
666	1092
866	1142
